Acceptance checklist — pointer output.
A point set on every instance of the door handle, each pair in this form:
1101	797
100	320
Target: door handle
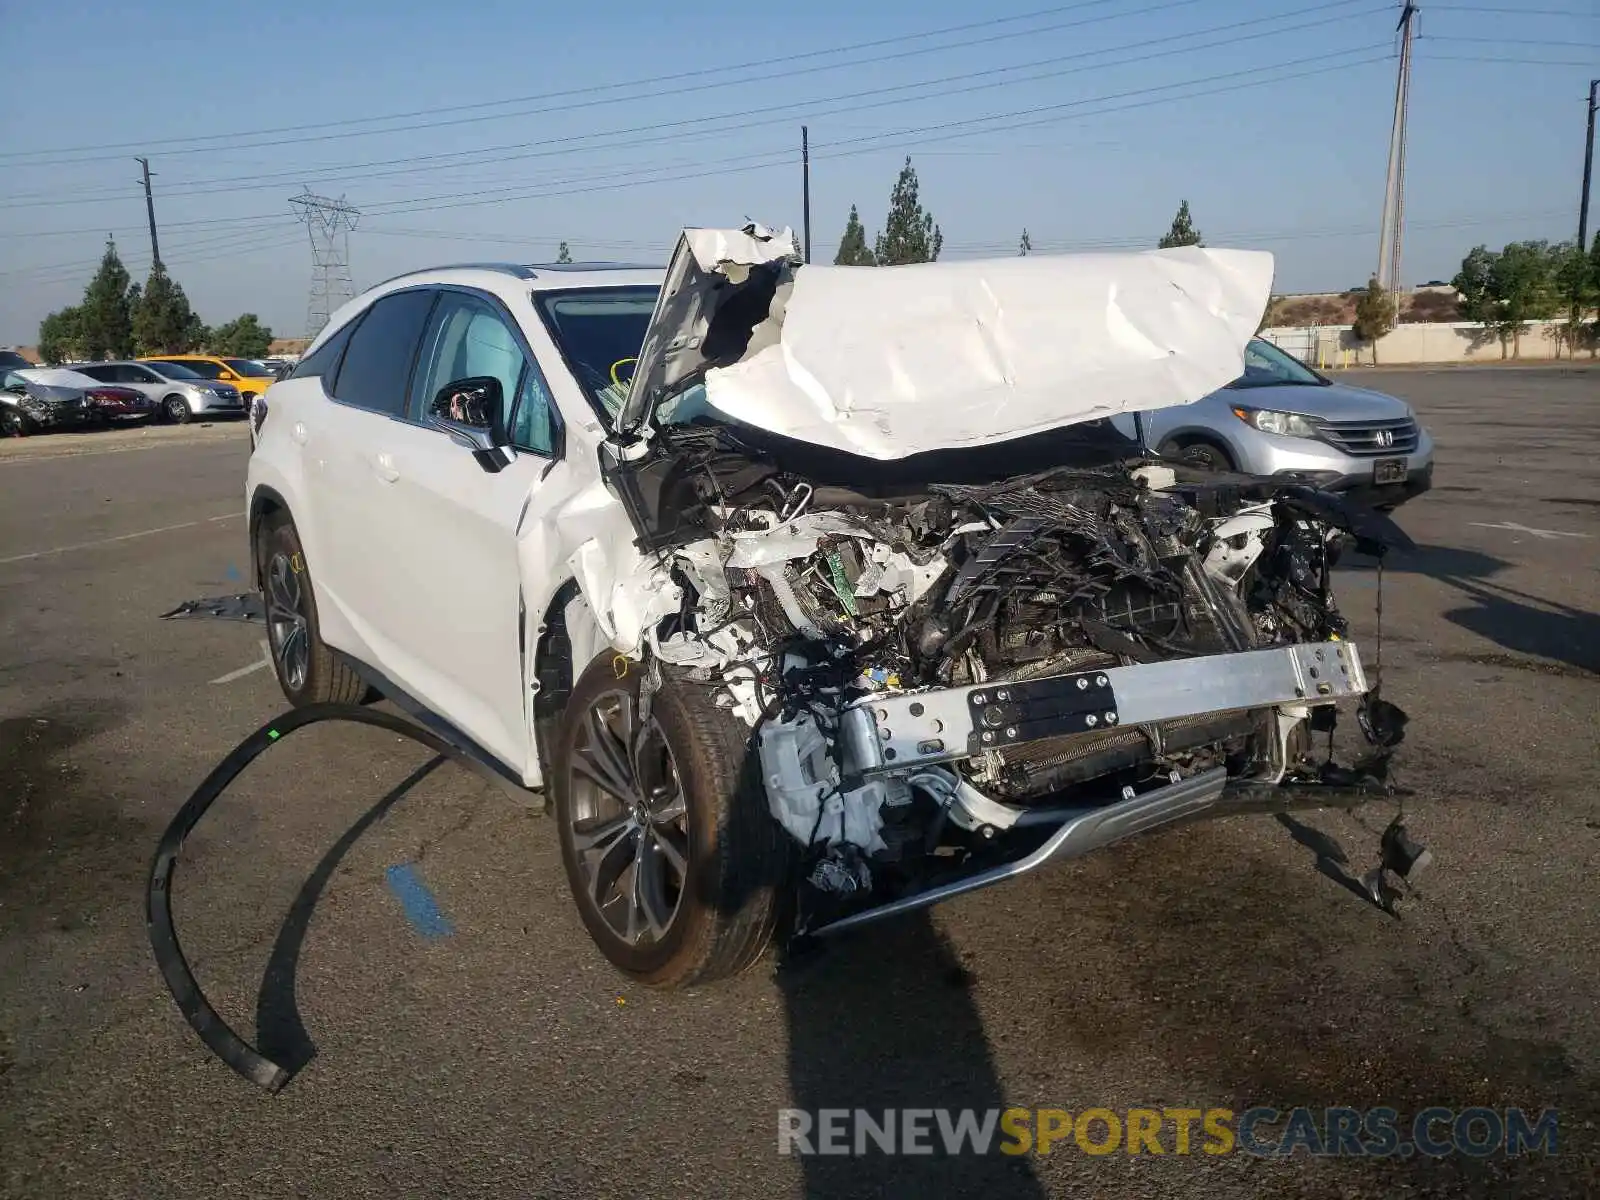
383	467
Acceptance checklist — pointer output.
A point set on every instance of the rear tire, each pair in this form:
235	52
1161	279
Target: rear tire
1198	452
175	410
675	863
307	669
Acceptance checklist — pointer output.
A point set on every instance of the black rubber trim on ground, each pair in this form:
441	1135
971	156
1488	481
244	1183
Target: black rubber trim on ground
213	1030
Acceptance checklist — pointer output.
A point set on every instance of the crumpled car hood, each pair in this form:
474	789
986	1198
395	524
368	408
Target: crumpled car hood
889	362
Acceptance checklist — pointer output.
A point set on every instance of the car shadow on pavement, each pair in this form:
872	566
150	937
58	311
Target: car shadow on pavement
1447	563
280	1032
1514	620
885	1019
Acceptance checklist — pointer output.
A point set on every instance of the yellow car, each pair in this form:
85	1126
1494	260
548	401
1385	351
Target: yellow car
250	377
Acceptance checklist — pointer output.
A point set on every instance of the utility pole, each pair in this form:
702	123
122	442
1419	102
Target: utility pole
1394	186
150	211
805	179
1588	170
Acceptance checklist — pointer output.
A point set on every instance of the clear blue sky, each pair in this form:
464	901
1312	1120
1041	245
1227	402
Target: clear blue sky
1093	154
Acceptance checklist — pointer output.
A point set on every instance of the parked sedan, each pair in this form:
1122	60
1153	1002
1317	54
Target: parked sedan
250	377
54	398
178	392
1281	418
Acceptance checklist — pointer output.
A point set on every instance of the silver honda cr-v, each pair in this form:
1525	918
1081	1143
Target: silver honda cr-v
1282	418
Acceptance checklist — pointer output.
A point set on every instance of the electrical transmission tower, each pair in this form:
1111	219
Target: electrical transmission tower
1394	186
329	222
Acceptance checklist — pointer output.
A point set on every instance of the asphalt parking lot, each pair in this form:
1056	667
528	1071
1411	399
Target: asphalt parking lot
489	1051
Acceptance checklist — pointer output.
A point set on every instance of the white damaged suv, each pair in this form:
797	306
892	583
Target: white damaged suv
810	594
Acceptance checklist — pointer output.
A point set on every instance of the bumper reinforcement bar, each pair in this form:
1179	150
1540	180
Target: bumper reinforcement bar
893	733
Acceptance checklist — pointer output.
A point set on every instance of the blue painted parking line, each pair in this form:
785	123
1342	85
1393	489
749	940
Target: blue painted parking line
418	902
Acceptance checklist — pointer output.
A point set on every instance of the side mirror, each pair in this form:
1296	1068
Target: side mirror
468	410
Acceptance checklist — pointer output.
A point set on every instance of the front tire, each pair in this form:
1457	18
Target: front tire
176	411
673	858
16	424
307	670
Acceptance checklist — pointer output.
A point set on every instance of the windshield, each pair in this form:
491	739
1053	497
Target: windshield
1267	366
599	332
245	366
173	370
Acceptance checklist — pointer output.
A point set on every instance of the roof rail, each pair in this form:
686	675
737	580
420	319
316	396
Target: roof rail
522	271
515	270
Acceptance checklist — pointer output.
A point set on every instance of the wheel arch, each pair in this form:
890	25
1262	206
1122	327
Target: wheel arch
1188	435
568	638
264	503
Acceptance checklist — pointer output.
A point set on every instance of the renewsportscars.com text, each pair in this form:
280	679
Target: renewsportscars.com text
1263	1132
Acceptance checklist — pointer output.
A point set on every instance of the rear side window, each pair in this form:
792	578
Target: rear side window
377	363
325	362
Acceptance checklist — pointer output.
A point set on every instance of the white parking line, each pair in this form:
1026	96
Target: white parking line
1544	535
121	537
264	661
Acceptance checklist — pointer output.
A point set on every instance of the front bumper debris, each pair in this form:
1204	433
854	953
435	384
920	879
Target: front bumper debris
893	733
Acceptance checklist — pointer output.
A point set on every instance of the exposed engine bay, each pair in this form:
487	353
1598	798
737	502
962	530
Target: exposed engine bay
861	623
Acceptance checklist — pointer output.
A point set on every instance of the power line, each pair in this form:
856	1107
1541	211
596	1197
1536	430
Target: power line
185	249
1242	238
720	80
851	102
1512	12
1481	58
868	143
944	131
1507	41
698	126
250	243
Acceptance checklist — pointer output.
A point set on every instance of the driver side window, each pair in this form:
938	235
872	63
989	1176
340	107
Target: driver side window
468	337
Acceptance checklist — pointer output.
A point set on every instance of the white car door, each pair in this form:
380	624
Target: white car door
342	510
443	604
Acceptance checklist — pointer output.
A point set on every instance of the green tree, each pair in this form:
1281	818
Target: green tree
1025	246
853	250
1506	289
1577	284
1472	282
1374	315
909	234
1524	287
163	322
563	255
242	337
1183	232
61	336
106	323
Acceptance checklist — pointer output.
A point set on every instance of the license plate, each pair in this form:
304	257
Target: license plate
1389	470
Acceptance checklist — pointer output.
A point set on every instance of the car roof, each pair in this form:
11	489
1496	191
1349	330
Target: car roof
538	276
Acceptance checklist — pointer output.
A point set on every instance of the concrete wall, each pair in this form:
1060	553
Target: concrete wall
1329	346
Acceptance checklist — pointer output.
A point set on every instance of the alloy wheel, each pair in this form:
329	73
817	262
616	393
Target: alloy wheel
630	820
177	410
288	625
